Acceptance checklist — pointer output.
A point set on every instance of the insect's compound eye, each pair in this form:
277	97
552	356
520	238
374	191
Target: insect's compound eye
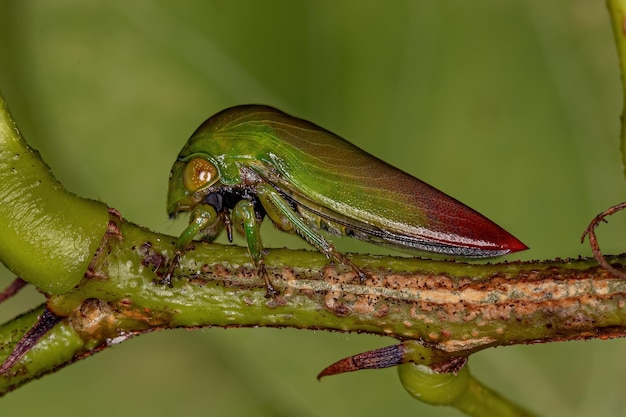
199	173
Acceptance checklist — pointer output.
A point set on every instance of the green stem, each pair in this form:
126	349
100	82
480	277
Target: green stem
480	400
454	307
456	389
48	234
617	10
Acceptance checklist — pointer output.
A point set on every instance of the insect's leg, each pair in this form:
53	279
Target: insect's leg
244	218
281	213
204	219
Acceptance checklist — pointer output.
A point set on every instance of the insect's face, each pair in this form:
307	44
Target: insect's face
189	183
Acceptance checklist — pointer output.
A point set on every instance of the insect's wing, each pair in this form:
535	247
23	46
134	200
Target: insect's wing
336	223
340	182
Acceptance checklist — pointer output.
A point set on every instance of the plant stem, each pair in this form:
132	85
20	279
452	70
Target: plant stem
459	390
617	11
455	308
38	216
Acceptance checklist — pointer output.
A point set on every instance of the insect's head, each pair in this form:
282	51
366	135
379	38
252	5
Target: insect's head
190	178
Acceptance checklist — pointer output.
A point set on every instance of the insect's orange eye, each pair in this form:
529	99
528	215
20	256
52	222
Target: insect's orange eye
199	173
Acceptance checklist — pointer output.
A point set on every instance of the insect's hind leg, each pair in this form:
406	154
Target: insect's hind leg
283	215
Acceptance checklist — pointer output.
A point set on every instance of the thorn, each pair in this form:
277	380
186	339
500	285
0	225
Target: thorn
12	289
373	359
44	324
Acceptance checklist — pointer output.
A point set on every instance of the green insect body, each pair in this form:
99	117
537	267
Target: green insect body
248	162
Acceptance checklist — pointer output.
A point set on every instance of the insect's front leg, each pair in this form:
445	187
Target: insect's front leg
244	218
283	215
204	219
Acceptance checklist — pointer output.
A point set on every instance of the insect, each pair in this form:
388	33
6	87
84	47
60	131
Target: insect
252	161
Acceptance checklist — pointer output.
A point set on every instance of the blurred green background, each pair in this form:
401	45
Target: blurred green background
511	107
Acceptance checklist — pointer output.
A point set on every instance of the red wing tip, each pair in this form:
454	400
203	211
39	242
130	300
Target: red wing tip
515	246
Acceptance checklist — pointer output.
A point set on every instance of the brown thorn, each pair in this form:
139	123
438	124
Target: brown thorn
12	289
373	359
593	240
44	324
